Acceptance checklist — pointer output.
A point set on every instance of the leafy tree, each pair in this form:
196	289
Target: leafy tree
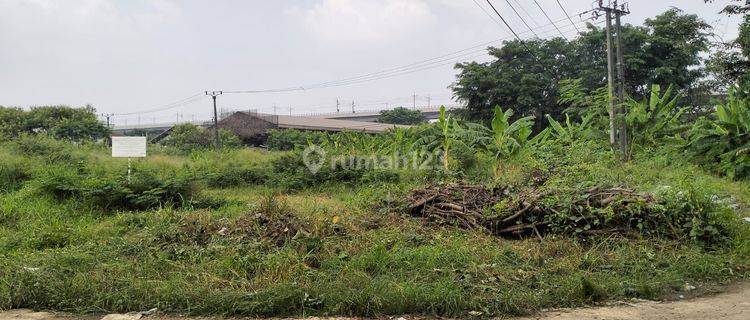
526	76
730	64
673	51
401	115
665	50
62	122
11	121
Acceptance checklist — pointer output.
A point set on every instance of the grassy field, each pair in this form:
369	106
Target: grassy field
238	238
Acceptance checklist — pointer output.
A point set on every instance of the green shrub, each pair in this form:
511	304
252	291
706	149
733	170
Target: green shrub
235	175
189	137
287	140
290	171
401	115
43	146
144	191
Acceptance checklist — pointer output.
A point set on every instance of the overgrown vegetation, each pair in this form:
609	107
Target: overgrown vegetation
527	210
722	139
334	248
555	221
189	137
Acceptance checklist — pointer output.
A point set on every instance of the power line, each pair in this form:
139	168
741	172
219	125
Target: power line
165	107
520	17
396	71
566	14
487	13
432	63
550	19
519	5
513	31
505	22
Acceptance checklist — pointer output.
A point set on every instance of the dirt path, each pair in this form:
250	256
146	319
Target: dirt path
734	304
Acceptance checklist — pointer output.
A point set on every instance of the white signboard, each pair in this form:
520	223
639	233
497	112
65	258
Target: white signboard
128	147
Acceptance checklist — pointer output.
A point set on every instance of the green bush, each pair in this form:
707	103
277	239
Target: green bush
287	140
401	115
189	137
146	190
235	175
45	147
290	171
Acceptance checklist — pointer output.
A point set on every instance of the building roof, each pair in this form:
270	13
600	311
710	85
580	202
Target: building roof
322	124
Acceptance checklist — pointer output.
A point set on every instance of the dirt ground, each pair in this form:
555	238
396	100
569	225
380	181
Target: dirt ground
734	304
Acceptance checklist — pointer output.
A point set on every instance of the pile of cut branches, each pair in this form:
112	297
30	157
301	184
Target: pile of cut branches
453	204
593	211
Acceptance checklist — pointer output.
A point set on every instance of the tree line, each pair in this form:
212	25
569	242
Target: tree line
672	48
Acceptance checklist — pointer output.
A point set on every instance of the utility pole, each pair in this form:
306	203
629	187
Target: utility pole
338	109
611	82
107	116
290	110
274	109
217	141
108	140
617	127
429	104
414	100
353	107
621	82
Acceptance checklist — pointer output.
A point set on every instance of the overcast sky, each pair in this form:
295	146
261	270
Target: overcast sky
136	55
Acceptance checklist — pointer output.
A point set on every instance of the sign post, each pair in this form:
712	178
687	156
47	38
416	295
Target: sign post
129	147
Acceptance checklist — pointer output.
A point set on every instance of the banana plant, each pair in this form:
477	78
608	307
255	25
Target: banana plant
724	137
397	140
651	120
504	139
440	136
570	131
448	127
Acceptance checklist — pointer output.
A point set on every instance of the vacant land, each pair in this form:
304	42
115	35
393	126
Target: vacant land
242	233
